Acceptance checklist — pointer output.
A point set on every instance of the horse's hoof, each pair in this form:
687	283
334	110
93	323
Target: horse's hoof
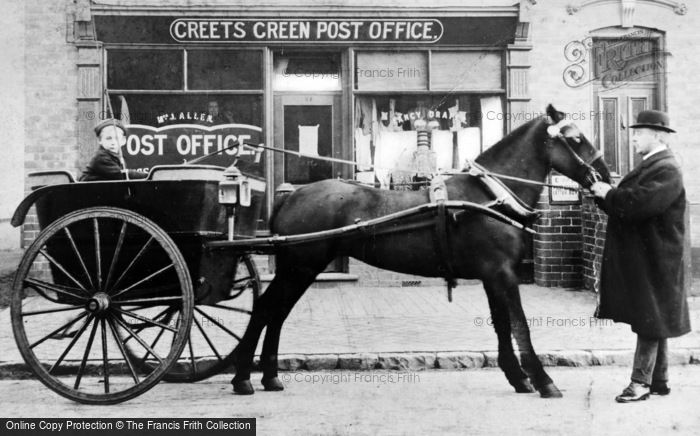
242	387
550	391
272	384
523	386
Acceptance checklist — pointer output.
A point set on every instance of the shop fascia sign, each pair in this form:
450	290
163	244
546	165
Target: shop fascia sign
194	30
147	146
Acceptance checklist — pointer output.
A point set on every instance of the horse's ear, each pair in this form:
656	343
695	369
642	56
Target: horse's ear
554	114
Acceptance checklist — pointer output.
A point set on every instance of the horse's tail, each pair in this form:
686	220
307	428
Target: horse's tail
281	194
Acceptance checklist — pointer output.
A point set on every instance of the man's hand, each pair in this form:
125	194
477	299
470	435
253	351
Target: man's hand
600	189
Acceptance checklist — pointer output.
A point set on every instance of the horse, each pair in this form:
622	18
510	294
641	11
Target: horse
483	247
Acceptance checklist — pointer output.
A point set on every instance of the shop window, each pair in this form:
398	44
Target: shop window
466	70
179	124
224	69
306	72
395	70
145	69
401	140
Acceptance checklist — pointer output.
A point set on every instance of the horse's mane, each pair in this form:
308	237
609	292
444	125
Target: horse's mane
520	134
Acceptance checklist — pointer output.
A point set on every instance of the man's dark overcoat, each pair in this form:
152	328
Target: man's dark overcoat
641	280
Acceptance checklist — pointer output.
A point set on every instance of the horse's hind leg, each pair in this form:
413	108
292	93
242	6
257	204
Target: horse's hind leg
270	310
506	356
293	286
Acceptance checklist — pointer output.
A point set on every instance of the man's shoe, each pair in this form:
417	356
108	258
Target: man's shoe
659	388
633	392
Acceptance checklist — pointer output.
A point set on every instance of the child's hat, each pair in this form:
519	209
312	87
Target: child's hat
108	122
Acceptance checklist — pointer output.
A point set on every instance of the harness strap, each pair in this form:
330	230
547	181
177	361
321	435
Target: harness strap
438	195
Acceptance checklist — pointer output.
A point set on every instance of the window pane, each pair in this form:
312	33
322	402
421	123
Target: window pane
610	123
391	71
306	72
637	104
387	139
170	129
144	69
465	70
224	69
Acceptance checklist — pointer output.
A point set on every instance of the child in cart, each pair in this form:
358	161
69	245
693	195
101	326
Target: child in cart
108	164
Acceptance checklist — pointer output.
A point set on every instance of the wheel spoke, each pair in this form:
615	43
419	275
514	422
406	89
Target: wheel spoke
138	338
147	300
206	338
243	279
148	320
193	368
77	254
115	257
165	268
153	345
221	326
72	342
69	323
63	270
233	309
98	253
41	312
113	328
133	261
105	362
88	347
53	287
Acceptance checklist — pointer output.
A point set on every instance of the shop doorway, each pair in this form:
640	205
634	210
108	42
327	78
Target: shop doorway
617	110
307	119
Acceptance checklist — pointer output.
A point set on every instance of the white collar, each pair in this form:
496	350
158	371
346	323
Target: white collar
658	149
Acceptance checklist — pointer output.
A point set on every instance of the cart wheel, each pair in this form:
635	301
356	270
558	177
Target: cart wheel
82	289
216	329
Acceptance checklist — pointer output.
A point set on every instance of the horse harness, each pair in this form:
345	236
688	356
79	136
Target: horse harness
503	198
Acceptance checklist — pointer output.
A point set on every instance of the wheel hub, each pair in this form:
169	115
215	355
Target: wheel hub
98	304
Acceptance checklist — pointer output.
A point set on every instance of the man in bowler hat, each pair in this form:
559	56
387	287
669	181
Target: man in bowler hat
107	164
641	280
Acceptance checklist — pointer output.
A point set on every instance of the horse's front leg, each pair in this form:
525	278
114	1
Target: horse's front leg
504	286
498	303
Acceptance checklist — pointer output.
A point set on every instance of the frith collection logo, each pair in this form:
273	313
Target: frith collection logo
613	62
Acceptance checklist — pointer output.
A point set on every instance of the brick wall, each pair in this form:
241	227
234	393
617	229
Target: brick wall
50	92
558	244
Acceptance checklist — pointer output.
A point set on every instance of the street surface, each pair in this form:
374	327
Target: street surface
474	402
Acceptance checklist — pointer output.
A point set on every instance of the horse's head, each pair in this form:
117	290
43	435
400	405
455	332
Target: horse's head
571	153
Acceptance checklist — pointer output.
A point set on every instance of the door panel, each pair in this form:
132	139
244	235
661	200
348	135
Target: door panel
618	109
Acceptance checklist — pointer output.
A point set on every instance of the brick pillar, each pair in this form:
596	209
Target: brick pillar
558	245
594	224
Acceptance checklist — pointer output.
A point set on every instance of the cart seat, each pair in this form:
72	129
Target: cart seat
186	172
38	179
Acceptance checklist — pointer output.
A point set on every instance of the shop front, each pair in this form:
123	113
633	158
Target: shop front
356	87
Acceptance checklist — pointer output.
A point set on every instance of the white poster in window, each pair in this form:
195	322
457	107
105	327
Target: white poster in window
491	121
308	140
468	145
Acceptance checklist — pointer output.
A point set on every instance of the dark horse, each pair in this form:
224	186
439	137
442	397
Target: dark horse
483	248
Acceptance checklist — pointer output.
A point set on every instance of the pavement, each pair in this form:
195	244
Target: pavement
416	328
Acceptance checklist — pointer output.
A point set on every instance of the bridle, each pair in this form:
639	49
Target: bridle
590	174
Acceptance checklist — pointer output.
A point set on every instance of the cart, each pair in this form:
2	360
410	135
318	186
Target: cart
131	282
119	290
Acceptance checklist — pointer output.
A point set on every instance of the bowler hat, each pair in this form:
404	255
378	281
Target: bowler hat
652	119
109	122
